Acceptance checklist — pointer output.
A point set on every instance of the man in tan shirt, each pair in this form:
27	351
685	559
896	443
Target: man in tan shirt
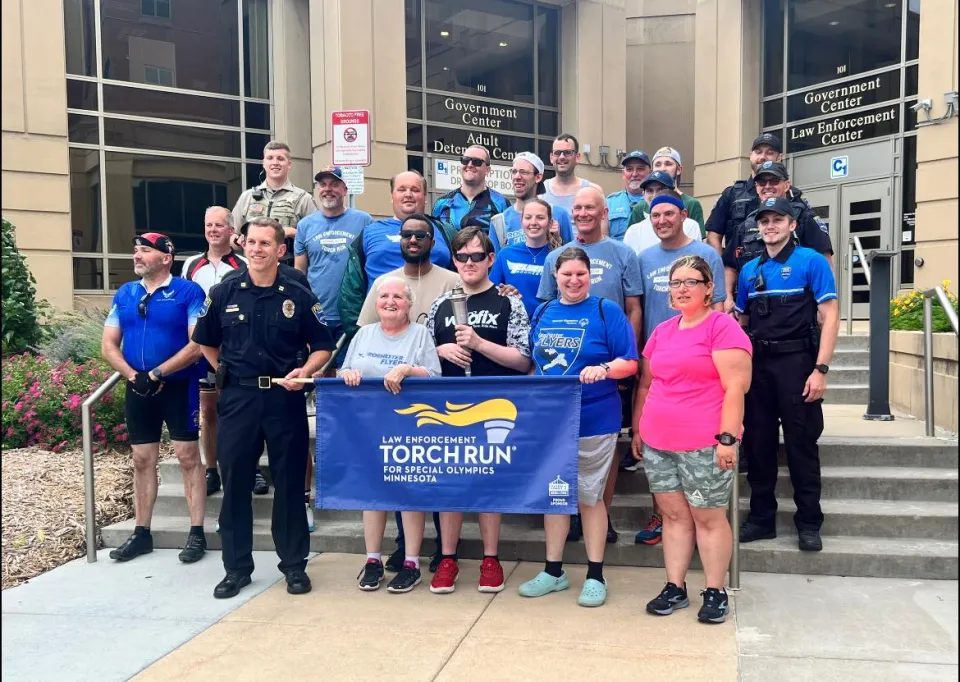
427	281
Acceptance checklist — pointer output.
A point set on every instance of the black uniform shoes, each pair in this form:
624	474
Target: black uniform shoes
231	585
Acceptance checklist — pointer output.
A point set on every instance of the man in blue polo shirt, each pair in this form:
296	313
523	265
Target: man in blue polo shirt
473	203
780	297
146	338
636	168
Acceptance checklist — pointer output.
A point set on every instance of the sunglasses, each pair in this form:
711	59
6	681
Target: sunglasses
475	257
420	235
472	161
688	283
767	181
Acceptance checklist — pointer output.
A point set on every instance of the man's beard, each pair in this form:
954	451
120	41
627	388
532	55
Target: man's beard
417	259
330	203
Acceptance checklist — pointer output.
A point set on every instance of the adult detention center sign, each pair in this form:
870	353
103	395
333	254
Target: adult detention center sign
479	444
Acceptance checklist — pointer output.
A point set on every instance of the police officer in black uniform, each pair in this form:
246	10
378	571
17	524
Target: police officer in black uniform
252	328
779	296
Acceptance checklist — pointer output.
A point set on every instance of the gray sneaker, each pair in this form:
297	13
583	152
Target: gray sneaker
669	599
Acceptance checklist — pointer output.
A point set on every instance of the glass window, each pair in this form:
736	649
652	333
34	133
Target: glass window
414	104
913	30
254	176
256	52
255	144
164	194
773	11
121	271
88	273
81	95
414	137
194	47
85	201
120	99
164	137
416	163
549	123
80	37
773	112
548	57
82	129
483	49
256	115
911	81
412	15
832	40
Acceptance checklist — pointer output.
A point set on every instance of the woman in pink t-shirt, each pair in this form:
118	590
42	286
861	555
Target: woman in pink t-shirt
694	374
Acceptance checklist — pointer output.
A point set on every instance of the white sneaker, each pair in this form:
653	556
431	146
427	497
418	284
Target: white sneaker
311	526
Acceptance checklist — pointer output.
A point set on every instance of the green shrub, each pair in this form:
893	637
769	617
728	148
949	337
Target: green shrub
21	311
42	399
73	335
906	311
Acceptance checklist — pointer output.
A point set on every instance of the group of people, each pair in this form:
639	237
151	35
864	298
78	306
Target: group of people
691	344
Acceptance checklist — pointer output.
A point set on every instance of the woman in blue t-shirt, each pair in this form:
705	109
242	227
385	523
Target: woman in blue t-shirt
590	337
521	265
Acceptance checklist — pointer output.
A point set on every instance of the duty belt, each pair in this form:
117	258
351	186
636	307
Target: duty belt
780	347
263	383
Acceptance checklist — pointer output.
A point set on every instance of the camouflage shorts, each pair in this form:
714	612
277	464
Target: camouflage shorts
693	472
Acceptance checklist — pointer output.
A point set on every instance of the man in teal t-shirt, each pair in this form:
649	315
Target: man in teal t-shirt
636	168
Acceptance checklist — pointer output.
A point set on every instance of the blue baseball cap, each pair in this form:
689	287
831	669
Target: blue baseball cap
332	171
660	176
636	156
776	205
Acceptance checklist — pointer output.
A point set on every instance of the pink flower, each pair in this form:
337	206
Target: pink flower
29	375
18	406
6	404
10	432
74	401
94	372
59	413
59	432
122	437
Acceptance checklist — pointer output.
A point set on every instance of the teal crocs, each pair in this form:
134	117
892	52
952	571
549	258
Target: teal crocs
543	584
594	593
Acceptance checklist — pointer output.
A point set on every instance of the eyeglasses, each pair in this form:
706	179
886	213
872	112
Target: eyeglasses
420	235
472	161
475	257
563	152
767	181
142	305
688	283
524	173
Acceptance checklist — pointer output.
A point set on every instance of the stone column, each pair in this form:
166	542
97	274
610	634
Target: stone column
937	222
290	34
727	81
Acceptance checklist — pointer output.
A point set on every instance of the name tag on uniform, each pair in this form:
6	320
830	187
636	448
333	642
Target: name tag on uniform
232	308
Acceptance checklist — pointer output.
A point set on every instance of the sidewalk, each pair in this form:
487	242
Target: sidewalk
158	618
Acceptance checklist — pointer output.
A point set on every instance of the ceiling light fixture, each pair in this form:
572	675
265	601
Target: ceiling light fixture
834	23
890	5
503	44
444	34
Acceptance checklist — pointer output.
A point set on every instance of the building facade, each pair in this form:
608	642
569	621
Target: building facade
134	115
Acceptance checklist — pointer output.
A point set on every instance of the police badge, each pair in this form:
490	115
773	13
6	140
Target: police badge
288	309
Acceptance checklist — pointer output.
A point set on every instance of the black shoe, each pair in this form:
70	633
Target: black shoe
260	486
405	580
715	604
298	582
810	541
576	529
612	535
669	600
231	585
750	531
628	463
395	562
436	559
194	549
137	544
370	576
213	481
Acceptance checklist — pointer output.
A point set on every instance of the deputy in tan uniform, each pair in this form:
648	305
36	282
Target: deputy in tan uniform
276	197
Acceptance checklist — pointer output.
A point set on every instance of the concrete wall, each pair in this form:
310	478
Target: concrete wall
660	94
35	177
906	377
937	220
291	85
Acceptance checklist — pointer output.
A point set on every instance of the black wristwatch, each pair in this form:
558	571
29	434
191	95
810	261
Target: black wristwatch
823	369
157	372
726	438
605	367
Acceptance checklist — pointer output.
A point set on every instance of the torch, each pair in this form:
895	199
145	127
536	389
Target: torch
458	299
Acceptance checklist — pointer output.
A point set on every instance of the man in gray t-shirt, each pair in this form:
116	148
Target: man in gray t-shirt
614	271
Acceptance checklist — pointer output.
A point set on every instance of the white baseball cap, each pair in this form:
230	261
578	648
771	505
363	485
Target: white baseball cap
669	152
532	159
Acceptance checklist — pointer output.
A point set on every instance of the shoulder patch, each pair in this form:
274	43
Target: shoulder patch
205	307
317	311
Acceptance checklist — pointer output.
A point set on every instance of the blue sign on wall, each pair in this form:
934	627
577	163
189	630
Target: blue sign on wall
839	167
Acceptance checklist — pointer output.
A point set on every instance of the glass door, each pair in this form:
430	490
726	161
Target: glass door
826	204
865	213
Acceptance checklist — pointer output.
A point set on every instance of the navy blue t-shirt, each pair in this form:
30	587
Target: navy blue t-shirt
521	266
567	338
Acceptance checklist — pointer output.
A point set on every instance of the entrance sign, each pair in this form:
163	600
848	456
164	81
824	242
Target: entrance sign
844	129
488	444
843	97
353	176
839	167
447	174
351	138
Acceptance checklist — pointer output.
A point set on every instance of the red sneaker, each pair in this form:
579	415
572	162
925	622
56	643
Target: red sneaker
491	576
445	577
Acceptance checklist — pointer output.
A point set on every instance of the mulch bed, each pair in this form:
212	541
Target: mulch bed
43	517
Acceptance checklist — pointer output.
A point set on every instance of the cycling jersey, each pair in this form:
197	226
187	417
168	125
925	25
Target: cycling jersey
153	338
203	271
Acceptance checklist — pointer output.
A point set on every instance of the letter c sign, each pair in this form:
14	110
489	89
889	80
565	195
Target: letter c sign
839	167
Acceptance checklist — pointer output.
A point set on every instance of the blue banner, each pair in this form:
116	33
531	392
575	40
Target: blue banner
494	444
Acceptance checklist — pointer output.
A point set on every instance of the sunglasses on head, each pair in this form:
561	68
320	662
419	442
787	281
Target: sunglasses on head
472	161
475	257
420	235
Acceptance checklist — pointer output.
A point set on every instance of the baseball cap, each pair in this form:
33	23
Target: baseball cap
668	152
332	171
660	176
636	156
532	159
769	139
775	205
774	168
155	240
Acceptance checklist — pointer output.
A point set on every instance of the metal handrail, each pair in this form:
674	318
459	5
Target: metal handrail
734	584
951	314
854	242
89	502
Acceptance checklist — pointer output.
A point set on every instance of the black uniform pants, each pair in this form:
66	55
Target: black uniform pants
248	418
776	398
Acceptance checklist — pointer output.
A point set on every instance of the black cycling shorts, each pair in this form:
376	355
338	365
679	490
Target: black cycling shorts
177	404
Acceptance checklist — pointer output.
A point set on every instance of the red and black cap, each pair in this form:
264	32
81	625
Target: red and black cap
155	240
